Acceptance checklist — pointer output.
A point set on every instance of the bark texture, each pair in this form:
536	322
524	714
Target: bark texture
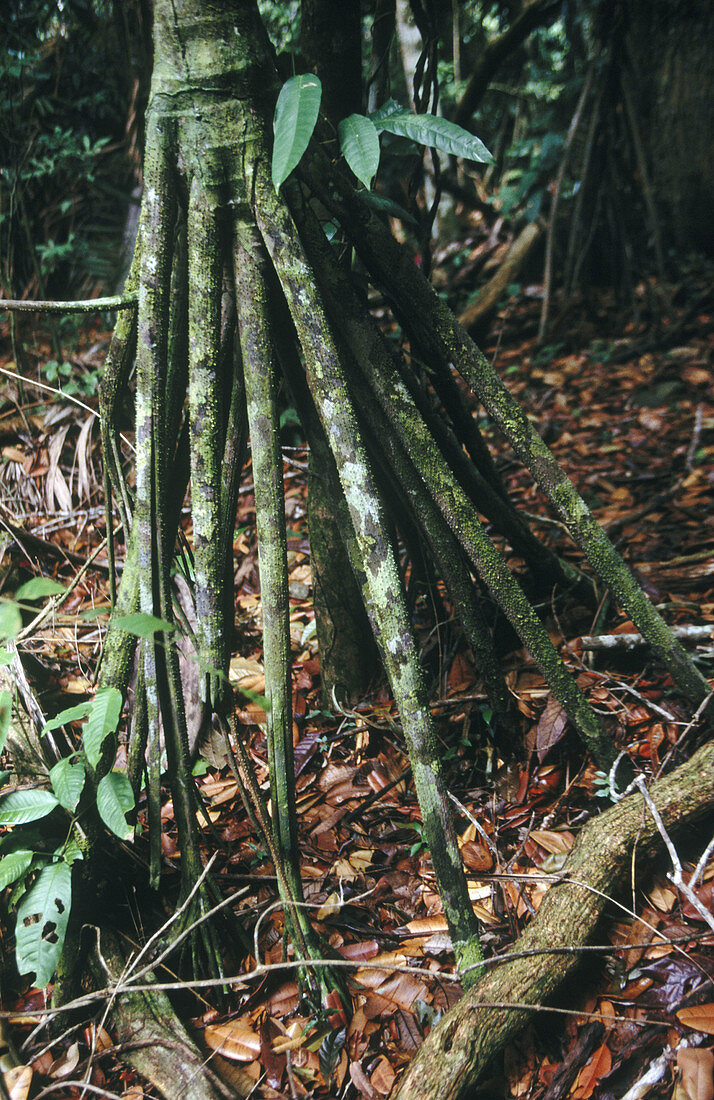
671	48
476	1030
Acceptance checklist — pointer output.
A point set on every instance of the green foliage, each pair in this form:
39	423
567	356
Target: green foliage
42	918
67	777
144	626
71	714
102	722
281	19
65	178
359	142
10	619
21	807
296	115
115	799
295	118
434	132
43	910
38	588
14	865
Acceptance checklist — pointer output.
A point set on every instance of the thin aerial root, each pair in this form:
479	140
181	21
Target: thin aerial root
377	560
205	281
438	334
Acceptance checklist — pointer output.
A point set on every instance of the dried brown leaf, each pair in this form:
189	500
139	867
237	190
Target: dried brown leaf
550	728
699	1017
597	1065
697	1073
235	1040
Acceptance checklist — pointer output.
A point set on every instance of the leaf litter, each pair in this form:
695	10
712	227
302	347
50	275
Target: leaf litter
636	433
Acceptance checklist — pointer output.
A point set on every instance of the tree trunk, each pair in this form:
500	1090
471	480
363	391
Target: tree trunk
670	44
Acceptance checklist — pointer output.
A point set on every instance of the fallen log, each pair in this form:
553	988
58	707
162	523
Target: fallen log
476	1030
490	295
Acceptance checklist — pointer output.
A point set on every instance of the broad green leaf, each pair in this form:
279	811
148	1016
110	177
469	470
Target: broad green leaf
71	714
102	722
437	133
10	619
5	716
115	799
143	625
391	107
42	918
38	588
14	865
295	117
359	142
19	807
93	613
67	779
70	852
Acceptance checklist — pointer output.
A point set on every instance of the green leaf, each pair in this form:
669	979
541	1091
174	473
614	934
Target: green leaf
67	779
93	613
71	851
5	716
143	625
38	588
359	142
10	619
19	807
42	918
102	722
115	799
71	714
295	117
14	865
437	133
391	107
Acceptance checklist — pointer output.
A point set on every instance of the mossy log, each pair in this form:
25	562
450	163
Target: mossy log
476	1030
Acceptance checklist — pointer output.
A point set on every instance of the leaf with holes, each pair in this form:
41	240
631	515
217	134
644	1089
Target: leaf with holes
42	917
67	779
295	117
359	142
19	807
115	799
102	722
437	133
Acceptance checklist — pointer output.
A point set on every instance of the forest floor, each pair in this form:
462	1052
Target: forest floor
629	412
